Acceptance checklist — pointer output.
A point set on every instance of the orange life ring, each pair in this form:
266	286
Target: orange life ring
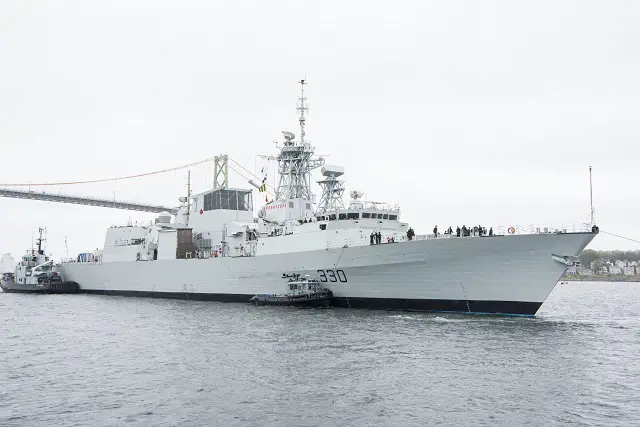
511	230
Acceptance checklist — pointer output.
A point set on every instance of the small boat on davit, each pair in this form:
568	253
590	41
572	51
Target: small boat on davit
302	292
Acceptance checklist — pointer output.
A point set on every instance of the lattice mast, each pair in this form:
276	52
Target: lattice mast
332	189
295	161
302	108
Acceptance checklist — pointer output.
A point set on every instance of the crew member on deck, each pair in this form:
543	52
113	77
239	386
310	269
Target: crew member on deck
410	233
458	231
435	231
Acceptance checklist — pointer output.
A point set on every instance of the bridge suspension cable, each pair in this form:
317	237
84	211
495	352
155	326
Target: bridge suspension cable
120	178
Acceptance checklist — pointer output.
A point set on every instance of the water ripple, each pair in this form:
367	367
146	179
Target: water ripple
107	361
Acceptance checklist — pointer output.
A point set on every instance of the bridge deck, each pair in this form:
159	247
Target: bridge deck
88	201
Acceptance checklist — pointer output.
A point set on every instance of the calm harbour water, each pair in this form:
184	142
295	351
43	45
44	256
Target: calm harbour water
104	361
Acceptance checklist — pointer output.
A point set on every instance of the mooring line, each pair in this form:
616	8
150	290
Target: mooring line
464	293
622	237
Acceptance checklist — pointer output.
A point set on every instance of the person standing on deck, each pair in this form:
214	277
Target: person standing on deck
410	233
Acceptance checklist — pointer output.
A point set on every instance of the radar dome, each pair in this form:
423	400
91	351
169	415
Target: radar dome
332	170
288	135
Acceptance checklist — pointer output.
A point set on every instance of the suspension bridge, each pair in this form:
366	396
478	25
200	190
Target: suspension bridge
221	167
87	201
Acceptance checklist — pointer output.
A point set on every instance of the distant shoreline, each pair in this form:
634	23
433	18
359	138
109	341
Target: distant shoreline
613	278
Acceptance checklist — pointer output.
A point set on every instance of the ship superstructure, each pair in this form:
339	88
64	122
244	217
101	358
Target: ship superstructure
214	248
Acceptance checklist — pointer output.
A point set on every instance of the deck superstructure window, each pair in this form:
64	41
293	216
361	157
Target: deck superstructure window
393	217
385	216
353	215
342	216
233	200
366	215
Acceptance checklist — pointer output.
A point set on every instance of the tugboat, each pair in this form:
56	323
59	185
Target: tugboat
301	292
36	273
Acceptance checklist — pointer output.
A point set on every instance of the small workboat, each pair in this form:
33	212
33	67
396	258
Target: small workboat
300	291
36	273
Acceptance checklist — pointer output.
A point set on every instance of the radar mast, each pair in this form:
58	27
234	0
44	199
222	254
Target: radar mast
302	108
40	239
295	161
332	189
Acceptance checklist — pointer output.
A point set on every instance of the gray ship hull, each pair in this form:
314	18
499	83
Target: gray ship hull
510	275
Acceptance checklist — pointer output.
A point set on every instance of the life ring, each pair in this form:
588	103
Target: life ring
511	230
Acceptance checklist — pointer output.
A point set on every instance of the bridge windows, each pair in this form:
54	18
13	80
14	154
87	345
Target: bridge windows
356	216
233	200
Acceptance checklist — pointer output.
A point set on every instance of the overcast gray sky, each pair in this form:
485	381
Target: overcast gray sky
461	111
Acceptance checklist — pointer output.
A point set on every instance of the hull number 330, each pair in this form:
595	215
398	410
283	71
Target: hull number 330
332	276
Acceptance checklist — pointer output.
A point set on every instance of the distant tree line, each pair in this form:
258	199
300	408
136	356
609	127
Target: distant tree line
589	255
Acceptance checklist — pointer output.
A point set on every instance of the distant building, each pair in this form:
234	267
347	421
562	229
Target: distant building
629	271
614	269
584	271
618	266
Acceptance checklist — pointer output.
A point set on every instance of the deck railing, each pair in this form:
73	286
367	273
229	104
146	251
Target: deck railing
518	229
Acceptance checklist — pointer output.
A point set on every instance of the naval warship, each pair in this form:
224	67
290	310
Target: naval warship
212	248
